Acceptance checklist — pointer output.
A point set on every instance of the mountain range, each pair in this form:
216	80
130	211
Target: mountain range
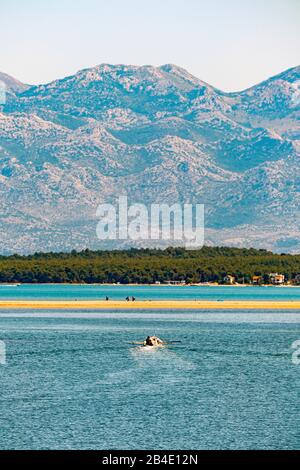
157	134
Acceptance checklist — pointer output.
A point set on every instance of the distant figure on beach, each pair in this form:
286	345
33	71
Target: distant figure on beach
127	298
133	299
106	298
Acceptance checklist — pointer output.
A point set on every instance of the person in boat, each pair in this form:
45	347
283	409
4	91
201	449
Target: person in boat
153	341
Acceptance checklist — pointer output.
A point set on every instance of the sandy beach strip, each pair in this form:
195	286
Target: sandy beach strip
148	304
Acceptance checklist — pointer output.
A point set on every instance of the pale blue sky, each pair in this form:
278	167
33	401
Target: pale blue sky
231	44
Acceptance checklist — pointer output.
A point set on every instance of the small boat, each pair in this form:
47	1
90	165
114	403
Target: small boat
154	342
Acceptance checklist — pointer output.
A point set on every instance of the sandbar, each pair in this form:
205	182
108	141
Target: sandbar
151	304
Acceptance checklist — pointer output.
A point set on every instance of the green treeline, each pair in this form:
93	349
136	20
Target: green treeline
147	266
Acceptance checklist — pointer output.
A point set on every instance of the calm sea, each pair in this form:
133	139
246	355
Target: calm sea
73	381
82	292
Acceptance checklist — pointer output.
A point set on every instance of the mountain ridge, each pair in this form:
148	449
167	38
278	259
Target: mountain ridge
156	133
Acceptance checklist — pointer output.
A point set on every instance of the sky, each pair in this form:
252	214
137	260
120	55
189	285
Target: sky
231	44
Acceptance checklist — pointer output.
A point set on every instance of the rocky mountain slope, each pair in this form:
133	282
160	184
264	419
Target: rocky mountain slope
157	134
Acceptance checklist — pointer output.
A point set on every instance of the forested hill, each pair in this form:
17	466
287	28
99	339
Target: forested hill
147	266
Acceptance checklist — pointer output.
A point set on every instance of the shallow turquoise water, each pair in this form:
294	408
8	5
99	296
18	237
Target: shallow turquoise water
73	381
63	291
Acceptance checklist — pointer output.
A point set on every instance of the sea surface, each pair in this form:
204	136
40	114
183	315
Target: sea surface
144	292
73	380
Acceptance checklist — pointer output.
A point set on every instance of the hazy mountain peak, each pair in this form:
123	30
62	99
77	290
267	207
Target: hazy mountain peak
184	74
12	83
291	75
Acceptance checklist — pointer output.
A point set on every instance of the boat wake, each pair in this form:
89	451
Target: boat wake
159	357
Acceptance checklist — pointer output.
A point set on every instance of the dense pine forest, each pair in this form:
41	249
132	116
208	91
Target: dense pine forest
209	264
